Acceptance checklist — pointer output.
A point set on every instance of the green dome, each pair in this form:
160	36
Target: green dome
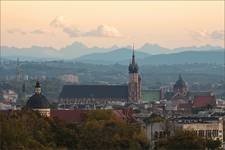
180	83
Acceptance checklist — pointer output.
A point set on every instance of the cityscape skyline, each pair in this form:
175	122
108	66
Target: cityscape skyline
112	75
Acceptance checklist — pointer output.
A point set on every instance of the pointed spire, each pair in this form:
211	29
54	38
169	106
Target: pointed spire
133	67
133	56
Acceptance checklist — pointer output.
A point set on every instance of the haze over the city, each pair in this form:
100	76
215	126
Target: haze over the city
104	24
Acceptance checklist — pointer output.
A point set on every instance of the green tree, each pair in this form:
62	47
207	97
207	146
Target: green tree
27	129
213	144
188	140
185	140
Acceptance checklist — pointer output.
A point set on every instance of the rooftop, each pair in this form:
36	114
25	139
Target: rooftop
196	119
94	91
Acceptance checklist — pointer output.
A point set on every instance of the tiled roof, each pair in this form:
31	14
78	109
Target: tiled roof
125	114
69	115
94	91
204	101
77	116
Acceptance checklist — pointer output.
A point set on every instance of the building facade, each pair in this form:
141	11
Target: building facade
208	127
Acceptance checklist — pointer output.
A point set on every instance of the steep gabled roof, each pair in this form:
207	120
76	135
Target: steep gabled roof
94	91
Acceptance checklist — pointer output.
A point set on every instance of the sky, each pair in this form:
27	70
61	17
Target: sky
57	24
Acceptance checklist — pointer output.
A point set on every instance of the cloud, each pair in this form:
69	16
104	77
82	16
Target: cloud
72	31
38	31
58	22
15	31
217	35
35	32
104	31
211	35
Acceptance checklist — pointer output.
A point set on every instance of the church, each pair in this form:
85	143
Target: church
105	94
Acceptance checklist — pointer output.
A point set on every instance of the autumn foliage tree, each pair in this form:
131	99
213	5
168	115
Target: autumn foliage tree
27	129
188	140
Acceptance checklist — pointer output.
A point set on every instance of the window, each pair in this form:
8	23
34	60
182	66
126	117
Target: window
201	133
196	132
208	133
160	134
215	133
156	135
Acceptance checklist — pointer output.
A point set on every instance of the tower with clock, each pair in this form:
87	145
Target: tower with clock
134	84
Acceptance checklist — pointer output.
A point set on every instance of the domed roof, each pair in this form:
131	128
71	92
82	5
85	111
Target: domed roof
37	101
180	83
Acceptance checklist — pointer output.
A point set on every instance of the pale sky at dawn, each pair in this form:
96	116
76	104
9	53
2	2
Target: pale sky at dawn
103	24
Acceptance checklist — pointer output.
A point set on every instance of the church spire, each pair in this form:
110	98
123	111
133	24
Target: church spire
133	56
133	67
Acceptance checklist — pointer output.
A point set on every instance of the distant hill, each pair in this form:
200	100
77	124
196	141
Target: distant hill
147	54
72	51
32	53
123	56
186	57
111	57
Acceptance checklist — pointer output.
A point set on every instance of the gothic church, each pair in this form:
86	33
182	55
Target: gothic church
105	94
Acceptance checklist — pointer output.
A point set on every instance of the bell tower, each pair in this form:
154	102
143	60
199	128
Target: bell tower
134	84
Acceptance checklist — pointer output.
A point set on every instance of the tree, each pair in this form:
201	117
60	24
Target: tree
213	144
188	140
153	118
185	140
103	130
27	129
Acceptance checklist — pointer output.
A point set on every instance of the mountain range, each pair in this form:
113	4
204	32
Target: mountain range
147	54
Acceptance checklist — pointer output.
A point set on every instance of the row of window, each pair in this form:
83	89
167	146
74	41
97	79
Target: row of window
207	133
203	133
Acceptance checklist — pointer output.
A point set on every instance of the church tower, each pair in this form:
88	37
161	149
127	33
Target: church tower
134	84
180	88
